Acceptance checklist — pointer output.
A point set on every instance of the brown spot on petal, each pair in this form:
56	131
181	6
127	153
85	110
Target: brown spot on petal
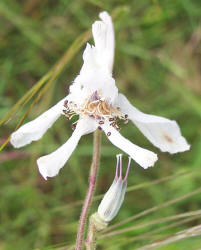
168	138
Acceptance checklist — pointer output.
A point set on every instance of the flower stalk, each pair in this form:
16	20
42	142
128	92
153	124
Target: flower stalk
91	189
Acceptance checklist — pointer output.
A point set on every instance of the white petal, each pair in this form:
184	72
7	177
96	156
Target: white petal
86	84
143	157
49	165
34	130
100	57
163	133
103	33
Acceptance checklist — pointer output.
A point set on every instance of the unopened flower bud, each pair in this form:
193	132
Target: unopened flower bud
114	197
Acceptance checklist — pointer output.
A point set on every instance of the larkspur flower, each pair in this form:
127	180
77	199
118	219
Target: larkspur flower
114	197
94	96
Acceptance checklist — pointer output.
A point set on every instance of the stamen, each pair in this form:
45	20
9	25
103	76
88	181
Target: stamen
73	126
99	109
95	107
65	103
113	124
105	108
117	127
94	102
109	133
72	116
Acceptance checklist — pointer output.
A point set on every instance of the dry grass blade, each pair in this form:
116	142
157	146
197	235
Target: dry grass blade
151	223
154	233
52	74
55	70
26	97
134	187
155	208
190	232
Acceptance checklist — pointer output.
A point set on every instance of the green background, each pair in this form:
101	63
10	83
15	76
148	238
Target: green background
157	65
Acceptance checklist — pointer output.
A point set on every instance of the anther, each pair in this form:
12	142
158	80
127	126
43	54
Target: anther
99	128
65	103
111	119
101	122
126	116
118	129
109	133
113	124
73	126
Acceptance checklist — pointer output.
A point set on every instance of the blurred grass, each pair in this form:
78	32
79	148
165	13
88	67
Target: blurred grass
157	65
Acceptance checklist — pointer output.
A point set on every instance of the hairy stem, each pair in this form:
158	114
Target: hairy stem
91	237
96	225
91	189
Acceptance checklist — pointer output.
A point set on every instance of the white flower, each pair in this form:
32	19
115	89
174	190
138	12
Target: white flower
114	197
95	98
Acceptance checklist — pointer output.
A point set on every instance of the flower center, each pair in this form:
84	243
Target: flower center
95	107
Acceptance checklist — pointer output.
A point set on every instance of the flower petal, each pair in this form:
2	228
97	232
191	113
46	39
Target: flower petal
34	130
100	56
143	157
103	33
163	133
49	165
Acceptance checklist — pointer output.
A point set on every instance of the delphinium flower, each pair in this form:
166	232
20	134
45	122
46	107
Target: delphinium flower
110	204
94	98
114	197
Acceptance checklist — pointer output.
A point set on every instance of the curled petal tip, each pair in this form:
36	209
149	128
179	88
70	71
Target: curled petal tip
14	140
42	170
148	160
104	14
47	165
